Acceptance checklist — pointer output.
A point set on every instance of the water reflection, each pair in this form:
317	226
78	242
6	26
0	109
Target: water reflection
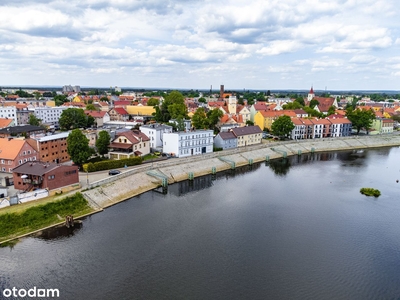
59	232
280	166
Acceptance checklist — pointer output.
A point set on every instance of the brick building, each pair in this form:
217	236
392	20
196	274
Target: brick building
51	148
14	152
42	175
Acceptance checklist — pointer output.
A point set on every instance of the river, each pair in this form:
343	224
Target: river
295	228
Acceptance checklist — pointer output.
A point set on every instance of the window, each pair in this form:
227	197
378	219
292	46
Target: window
2	161
51	177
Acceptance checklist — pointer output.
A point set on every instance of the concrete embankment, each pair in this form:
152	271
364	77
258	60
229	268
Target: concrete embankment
118	188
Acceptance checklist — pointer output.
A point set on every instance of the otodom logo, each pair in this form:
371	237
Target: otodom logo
32	293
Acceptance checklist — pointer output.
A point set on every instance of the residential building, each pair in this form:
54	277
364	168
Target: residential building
129	143
14	152
340	127
50	148
49	115
22	130
9	112
321	128
299	130
189	143
155	133
187	124
382	126
6	123
248	135
100	117
69	88
225	140
118	114
44	175
23	114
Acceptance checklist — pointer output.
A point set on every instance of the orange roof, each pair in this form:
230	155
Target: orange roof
320	121
9	149
5	122
339	120
297	121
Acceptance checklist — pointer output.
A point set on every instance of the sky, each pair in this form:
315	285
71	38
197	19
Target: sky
189	44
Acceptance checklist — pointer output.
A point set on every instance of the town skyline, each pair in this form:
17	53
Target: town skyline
254	45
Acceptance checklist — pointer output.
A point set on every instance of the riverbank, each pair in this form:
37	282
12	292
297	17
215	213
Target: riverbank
18	224
112	190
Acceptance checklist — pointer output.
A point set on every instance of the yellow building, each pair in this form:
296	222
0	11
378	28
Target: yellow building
265	118
247	135
136	110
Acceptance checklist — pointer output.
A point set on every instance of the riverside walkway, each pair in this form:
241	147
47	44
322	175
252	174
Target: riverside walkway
136	180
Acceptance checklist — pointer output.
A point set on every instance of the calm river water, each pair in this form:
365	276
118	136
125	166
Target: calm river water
291	229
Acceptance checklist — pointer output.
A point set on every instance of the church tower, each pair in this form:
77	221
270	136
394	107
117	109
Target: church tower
232	104
311	94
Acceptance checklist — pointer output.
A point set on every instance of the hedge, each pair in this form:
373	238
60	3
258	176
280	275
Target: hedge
112	164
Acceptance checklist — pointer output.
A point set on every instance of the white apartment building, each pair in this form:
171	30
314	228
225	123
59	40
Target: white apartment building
189	143
155	133
49	115
9	112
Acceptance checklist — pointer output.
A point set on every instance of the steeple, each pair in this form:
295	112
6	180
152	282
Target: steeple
311	94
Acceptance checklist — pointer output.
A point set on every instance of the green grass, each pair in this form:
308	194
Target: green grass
150	156
37	217
370	192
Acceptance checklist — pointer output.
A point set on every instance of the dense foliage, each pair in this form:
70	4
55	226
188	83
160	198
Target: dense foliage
282	126
172	107
360	118
103	142
112	164
40	216
370	192
75	118
78	147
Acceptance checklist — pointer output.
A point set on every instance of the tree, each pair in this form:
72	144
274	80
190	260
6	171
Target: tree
33	120
282	126
91	107
214	116
249	123
102	142
202	100
268	93
292	105
153	102
361	118
172	107
75	118
300	100
78	147
331	110
60	99
199	119
313	103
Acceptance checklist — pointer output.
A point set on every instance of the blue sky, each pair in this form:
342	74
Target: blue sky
275	44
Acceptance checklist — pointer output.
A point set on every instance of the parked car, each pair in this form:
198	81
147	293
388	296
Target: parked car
114	172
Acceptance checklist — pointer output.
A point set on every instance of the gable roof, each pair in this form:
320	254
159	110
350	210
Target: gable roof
10	148
5	122
227	135
133	136
120	111
95	114
20	129
239	131
39	168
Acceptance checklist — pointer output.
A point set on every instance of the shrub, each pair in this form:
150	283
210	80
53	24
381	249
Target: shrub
370	192
112	164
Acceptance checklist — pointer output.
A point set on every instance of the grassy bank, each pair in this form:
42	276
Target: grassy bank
33	218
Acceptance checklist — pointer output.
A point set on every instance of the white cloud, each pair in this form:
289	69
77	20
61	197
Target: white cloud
190	43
